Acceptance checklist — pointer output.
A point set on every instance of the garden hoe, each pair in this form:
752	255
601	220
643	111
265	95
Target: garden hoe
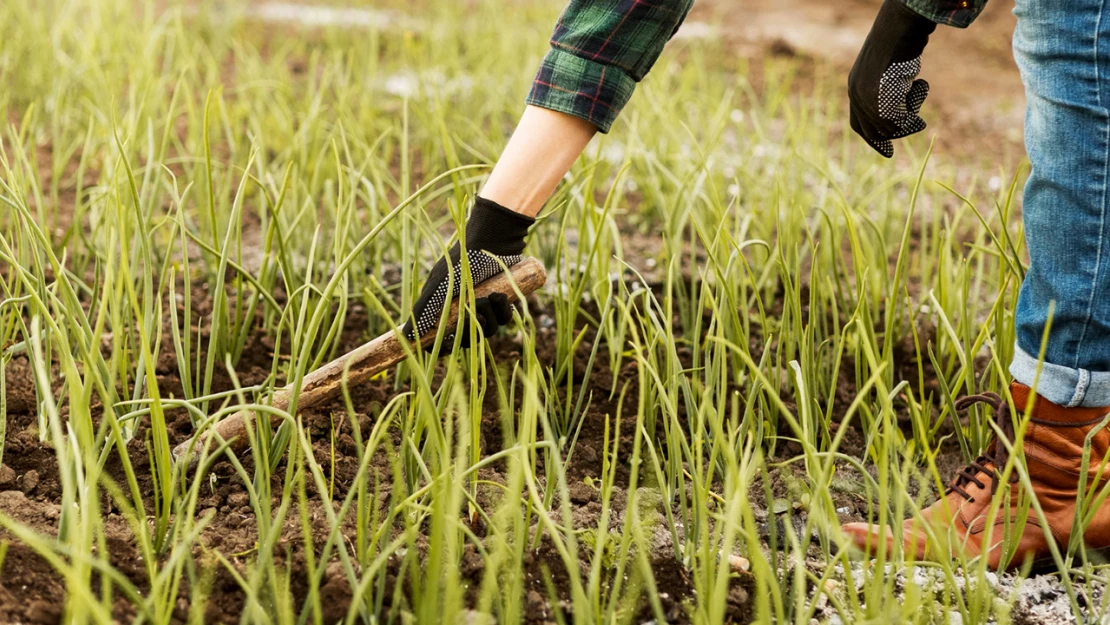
355	367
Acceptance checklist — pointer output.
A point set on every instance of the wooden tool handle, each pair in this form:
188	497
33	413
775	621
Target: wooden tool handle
363	362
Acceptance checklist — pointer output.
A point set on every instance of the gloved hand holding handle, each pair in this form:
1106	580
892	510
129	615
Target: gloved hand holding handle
493	233
883	88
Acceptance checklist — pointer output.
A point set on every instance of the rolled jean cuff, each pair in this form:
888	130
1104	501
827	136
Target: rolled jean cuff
1063	386
583	88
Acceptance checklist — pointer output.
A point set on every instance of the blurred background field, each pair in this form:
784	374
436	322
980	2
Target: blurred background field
754	328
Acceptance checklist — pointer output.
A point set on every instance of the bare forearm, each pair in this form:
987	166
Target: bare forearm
599	50
541	151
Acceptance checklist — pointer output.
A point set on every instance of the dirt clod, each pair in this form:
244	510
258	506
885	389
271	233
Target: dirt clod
7	476
44	612
581	493
535	602
738	599
29	482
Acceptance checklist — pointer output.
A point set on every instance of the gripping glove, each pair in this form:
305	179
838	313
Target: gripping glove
493	233
883	88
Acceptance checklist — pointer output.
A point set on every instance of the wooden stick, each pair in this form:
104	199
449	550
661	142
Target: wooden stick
361	364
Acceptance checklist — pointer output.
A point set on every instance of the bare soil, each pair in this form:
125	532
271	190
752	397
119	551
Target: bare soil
976	106
30	488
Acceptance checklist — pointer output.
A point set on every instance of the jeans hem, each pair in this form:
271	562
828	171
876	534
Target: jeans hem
1063	386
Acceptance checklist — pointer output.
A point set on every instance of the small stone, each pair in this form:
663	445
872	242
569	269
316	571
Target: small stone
29	482
739	564
474	617
7	477
776	526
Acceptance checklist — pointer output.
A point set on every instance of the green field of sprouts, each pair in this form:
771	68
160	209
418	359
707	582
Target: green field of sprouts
754	329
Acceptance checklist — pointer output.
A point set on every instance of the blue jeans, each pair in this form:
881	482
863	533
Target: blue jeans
1063	51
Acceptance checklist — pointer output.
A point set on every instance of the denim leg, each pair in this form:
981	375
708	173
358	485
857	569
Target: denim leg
1063	51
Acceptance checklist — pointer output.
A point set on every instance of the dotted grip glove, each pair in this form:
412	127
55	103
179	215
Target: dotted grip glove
493	233
883	88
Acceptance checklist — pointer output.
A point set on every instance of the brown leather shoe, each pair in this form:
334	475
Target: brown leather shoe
958	522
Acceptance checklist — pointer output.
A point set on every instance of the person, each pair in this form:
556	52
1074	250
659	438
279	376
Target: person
600	50
1062	53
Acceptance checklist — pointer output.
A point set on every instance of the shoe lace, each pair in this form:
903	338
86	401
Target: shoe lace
996	453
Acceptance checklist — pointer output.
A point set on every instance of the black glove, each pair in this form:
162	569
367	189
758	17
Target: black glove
885	97
492	232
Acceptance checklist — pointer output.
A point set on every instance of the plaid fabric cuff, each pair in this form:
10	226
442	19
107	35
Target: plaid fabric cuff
958	13
587	89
